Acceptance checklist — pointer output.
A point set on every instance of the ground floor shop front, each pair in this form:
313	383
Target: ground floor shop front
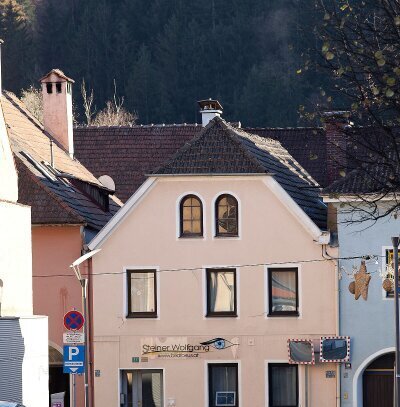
207	372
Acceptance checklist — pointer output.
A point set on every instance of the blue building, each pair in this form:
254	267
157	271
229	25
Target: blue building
368	380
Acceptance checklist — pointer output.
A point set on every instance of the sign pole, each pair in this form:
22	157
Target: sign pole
73	390
84	282
395	242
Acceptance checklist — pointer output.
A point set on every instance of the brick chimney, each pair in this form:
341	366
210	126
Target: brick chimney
209	109
57	108
335	124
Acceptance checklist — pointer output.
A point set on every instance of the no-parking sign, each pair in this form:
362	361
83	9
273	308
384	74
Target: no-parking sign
73	320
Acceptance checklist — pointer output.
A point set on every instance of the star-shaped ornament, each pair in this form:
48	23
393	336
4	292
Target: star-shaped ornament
362	279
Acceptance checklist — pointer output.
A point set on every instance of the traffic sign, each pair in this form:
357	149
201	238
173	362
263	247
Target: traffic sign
72	338
74	359
73	320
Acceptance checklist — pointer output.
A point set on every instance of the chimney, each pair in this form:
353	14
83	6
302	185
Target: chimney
335	124
209	109
57	108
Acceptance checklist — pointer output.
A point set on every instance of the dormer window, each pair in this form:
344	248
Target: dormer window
226	216
49	87
58	87
191	217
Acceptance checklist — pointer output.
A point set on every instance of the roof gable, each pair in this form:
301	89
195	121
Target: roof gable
223	149
216	150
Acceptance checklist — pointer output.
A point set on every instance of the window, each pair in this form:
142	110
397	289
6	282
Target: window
223	385
69	88
142	294
221	293
283	385
191	217
226	214
283	291
390	270
58	87
49	87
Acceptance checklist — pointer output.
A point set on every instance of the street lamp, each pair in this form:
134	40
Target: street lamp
395	242
84	283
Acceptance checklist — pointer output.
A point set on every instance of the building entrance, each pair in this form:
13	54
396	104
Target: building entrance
378	382
142	388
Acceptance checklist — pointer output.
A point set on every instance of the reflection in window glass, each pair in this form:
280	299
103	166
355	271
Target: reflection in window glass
142	292
283	290
191	216
227	215
221	291
223	385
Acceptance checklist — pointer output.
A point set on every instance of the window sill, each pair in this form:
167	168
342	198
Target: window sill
141	316
225	236
213	315
283	314
191	237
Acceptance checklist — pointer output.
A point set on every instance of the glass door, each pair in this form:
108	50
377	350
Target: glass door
142	388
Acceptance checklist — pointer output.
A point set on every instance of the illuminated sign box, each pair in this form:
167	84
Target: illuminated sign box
335	349
301	351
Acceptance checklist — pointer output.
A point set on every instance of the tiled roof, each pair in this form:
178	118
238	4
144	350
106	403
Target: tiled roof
128	153
223	149
54	200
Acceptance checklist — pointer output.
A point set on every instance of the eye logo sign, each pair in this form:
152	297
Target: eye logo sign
180	348
219	343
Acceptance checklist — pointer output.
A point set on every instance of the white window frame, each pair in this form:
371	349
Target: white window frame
125	291
299	287
222	362
214	217
204	272
178	217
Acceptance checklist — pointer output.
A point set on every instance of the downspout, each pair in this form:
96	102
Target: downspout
337	322
91	351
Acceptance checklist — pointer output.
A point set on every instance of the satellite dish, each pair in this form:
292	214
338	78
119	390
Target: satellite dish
108	182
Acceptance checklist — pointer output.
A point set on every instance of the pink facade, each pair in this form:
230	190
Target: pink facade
145	235
54	248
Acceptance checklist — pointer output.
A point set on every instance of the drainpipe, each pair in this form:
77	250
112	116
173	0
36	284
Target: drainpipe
325	255
91	351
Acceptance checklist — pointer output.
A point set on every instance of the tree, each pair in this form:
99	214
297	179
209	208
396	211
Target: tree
114	114
360	48
88	107
33	100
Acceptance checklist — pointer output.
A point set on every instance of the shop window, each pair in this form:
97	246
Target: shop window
49	87
191	217
223	389
390	271
283	291
283	385
58	87
226	216
221	293
142	294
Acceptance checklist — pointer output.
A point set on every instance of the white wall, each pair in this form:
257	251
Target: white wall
35	367
16	259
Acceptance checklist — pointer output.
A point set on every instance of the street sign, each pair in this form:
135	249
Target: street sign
72	338
73	320
74	359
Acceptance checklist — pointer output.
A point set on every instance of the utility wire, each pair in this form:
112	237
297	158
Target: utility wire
201	268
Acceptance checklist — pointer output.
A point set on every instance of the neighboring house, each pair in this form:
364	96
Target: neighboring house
69	206
212	265
368	381
23	336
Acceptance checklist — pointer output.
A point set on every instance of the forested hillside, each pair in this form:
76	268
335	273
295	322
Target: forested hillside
166	54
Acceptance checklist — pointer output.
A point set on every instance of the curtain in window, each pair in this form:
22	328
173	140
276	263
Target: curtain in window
142	292
284	291
222	291
227	215
151	389
283	382
223	379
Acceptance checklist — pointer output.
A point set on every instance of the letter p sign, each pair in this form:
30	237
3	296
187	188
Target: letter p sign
74	359
72	351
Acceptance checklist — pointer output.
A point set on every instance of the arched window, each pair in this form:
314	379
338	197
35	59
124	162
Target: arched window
226	216
191	216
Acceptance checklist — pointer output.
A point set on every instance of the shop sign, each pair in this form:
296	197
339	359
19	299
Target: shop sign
184	347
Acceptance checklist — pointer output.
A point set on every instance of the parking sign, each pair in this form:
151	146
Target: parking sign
74	359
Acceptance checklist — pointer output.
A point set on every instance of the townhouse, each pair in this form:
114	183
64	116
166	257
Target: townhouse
217	262
23	335
69	206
